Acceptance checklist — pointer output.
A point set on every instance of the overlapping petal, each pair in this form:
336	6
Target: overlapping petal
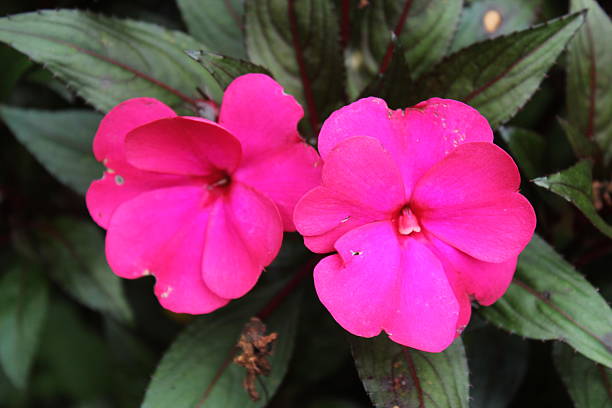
258	112
128	115
485	281
360	184
182	146
356	284
469	200
283	176
416	138
426	310
244	235
140	242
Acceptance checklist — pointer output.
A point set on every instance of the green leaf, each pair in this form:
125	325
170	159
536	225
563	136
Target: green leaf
74	251
297	41
582	147
588	383
589	77
498	76
197	370
498	364
60	140
399	376
479	20
575	185
549	300
217	24
528	149
225	69
23	306
423	28
108	60
385	85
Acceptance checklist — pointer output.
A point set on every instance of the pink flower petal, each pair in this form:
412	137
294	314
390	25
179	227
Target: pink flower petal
260	114
364	173
469	201
183	146
427	311
360	184
142	240
128	115
417	138
355	285
283	176
486	281
120	184
244	235
322	216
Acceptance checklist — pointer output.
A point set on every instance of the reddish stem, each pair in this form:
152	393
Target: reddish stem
396	33
299	55
345	23
288	288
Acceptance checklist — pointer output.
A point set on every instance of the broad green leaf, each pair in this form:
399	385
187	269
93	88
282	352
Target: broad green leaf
575	185
225	69
498	364
385	85
528	149
423	28
485	19
549	300
582	147
197	370
23	306
588	383
218	24
298	42
589	77
498	76
108	60
74	250
60	140
399	376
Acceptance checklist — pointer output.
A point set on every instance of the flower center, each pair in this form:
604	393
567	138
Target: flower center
407	223
220	180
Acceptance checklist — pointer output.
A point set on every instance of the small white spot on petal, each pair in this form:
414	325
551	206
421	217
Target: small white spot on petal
345	219
167	292
110	171
146	272
355	253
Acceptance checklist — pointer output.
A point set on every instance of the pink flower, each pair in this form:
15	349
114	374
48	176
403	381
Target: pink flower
424	213
199	205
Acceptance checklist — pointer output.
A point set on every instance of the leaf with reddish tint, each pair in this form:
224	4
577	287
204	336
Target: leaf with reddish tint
108	60
588	383
218	24
298	41
589	77
225	69
422	28
549	300
397	376
498	76
575	185
197	370
498	364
